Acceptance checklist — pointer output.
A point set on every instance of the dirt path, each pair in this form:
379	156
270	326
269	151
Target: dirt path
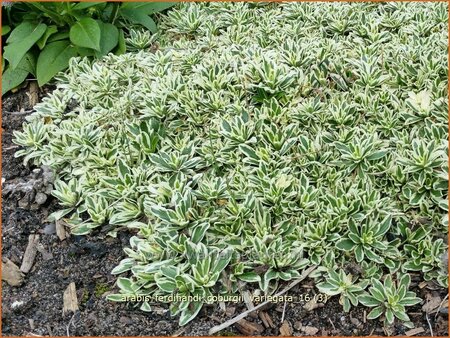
36	306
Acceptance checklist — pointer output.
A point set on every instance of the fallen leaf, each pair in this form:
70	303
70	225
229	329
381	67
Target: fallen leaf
309	330
266	319
285	329
11	273
249	328
60	230
415	331
432	304
312	305
70	299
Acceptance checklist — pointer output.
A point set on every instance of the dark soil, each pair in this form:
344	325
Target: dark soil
87	261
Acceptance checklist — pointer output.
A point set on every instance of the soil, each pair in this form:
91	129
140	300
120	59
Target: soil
88	260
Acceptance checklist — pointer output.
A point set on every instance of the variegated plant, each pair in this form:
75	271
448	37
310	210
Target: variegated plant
253	140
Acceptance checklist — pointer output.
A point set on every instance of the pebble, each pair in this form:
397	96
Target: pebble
125	320
23	203
40	198
50	229
17	305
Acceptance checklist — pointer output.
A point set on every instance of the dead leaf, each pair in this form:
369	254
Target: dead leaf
312	304
421	286
60	230
249	328
266	319
33	93
415	331
309	330
11	273
432	304
285	329
70	299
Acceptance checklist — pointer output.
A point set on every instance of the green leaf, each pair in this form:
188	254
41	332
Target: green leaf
199	232
384	226
11	78
346	304
378	289
125	284
163	214
58	214
79	230
405	280
147	7
15	51
21	32
86	33
410	301
125	265
389	316
109	38
53	59
345	244
121	47
190	312
328	288
402	316
84	5
375	313
58	36
377	155
145	307
222	260
44	38
359	253
138	17
368	300
166	285
5	30
249	277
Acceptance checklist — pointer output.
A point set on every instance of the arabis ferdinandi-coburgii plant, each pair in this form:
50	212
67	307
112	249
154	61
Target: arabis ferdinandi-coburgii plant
257	140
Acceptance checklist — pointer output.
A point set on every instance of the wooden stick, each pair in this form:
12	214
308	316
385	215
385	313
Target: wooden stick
30	253
245	313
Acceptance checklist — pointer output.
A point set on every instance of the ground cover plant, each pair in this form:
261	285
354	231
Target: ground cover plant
41	37
254	140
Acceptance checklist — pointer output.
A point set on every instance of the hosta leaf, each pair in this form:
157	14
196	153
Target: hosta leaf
86	33
16	48
54	58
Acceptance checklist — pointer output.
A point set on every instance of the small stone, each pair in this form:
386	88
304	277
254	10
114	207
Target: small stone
230	311
17	305
50	229
24	203
40	198
48	189
125	320
47	175
298	325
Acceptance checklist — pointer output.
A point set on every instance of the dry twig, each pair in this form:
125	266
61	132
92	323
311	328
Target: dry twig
244	314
